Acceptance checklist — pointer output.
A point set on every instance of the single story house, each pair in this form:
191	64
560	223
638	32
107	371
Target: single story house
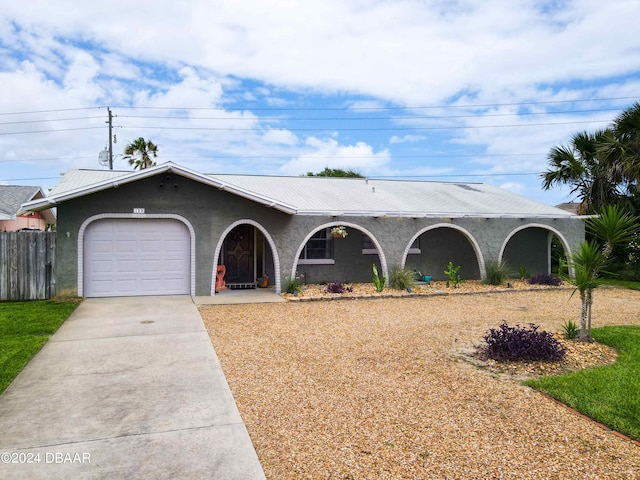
167	228
13	219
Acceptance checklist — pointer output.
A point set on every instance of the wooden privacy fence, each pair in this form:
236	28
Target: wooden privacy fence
27	265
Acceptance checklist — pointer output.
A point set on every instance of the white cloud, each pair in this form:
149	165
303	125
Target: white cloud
358	54
407	139
329	153
386	49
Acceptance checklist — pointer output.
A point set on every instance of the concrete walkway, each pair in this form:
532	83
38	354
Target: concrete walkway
249	295
127	388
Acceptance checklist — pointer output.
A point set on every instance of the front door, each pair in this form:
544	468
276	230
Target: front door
238	255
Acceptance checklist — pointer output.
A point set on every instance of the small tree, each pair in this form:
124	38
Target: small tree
587	261
335	172
139	153
612	227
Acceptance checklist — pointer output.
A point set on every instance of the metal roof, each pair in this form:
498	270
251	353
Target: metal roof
330	195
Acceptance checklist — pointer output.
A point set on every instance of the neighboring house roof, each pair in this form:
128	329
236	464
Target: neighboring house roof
13	196
328	195
569	207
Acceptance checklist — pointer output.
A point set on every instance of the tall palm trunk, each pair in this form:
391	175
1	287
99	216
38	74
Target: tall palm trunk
589	300
584	335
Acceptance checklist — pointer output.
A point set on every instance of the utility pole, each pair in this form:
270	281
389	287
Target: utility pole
110	122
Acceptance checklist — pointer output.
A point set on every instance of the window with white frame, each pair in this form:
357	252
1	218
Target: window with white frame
369	248
318	249
415	247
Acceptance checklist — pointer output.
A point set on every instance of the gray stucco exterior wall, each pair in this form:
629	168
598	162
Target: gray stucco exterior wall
210	211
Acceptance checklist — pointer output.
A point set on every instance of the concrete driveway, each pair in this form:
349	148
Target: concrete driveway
127	388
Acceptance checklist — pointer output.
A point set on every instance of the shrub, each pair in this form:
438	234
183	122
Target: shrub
338	287
377	280
401	278
454	277
544	279
523	273
292	285
569	330
497	272
522	343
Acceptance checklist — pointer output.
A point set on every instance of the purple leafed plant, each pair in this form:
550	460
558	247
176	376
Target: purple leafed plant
338	287
522	343
544	279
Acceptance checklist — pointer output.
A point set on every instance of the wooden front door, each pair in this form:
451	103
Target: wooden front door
239	256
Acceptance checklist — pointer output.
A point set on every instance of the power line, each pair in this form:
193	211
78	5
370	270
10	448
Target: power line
413	117
372	177
348	108
512	104
29	179
446	175
285	157
50	111
49	159
51	130
48	120
363	129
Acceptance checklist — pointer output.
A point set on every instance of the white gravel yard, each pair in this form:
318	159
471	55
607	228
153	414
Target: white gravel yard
375	388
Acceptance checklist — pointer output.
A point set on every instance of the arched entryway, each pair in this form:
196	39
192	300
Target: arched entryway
529	248
432	248
322	259
249	255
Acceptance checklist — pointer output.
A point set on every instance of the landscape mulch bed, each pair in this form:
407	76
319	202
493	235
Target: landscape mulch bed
390	387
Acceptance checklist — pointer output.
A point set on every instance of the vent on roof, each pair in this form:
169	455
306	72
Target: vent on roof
467	187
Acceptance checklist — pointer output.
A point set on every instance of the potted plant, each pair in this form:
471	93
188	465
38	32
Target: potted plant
339	231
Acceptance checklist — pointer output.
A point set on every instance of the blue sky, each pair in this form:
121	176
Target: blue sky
434	90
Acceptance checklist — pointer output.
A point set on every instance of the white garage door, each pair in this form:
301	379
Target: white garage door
128	257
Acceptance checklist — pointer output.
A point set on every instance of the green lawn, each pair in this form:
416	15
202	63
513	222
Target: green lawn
607	394
24	328
614	282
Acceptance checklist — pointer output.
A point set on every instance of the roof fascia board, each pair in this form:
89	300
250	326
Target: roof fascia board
49	202
431	215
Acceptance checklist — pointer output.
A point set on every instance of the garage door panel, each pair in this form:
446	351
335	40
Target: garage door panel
102	266
103	246
128	245
125	265
172	246
171	265
127	257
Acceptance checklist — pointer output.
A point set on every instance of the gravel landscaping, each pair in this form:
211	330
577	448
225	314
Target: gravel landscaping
384	388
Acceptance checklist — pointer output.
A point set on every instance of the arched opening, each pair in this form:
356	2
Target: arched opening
558	257
534	249
322	258
432	248
249	256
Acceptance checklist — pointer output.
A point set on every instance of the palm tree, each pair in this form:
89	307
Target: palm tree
611	227
586	262
139	153
621	147
579	165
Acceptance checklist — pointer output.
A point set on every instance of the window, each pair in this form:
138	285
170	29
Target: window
369	248
319	249
415	247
